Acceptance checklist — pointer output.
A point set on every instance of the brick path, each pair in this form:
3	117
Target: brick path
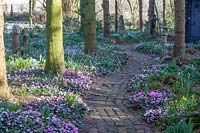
108	99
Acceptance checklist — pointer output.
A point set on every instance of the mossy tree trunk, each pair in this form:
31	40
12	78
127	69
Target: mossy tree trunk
140	16
178	50
90	27
106	15
4	91
30	13
55	50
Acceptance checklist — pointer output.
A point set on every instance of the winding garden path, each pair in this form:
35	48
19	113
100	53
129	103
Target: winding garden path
108	99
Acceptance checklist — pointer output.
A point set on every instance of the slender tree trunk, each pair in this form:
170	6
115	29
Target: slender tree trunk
178	50
133	8
164	12
4	91
140	16
90	27
151	15
120	7
106	15
11	12
55	50
33	5
33	11
116	16
30	13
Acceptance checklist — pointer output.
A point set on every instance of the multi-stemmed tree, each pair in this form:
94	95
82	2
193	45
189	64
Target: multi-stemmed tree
4	91
55	50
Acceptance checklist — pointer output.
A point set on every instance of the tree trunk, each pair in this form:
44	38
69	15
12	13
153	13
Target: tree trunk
30	13
55	50
116	16
33	5
178	50
120	7
106	15
133	8
164	12
90	27
140	16
82	12
3	78
11	12
121	17
152	17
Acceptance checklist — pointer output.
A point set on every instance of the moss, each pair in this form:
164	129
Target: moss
30	13
55	50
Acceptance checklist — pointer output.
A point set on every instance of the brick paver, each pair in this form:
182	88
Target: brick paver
108	98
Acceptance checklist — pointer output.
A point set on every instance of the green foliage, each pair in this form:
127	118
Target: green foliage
76	62
72	99
19	63
132	37
180	128
9	105
193	45
194	117
151	48
44	91
182	104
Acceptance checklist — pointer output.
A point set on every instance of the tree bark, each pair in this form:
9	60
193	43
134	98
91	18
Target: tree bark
106	15
140	16
3	78
82	12
178	49
164	12
90	27
151	15
116	16
30	13
11	12
55	50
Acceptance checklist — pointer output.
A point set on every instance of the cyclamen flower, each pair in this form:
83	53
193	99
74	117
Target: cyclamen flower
55	120
152	114
77	81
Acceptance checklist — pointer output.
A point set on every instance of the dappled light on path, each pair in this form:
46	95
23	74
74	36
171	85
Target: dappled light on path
109	98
